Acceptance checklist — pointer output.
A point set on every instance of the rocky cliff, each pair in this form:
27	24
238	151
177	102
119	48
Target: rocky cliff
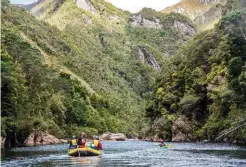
86	5
137	20
145	57
204	13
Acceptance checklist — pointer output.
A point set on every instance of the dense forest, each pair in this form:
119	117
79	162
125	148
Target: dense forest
67	69
64	76
201	93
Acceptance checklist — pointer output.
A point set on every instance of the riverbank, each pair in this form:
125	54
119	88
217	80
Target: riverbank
238	142
38	138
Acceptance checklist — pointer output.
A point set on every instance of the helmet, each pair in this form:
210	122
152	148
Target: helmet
96	137
73	137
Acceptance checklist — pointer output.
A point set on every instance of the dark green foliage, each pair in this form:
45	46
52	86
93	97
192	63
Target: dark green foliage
81	76
232	5
36	95
208	85
166	19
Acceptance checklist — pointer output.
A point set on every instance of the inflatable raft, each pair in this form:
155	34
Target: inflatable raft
84	152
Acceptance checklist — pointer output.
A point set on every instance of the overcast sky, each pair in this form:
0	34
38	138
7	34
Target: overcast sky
137	5
130	5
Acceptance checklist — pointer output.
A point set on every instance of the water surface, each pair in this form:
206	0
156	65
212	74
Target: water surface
131	154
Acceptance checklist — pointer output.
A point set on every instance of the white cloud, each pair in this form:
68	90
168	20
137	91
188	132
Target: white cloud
136	5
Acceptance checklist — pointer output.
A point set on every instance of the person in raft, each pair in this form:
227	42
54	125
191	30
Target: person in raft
81	140
97	143
73	143
162	144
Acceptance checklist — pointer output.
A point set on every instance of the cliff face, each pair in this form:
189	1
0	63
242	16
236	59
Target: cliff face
86	5
137	20
212	14
146	57
204	13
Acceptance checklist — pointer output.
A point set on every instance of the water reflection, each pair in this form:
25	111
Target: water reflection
85	161
130	153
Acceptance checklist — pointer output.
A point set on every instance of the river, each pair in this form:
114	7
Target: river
131	153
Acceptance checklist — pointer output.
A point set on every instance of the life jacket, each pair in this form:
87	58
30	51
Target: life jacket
81	141
96	142
74	142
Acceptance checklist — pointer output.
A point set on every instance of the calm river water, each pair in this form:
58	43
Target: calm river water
131	153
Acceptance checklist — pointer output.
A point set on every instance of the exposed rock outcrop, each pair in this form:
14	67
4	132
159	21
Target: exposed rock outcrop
86	5
145	56
40	138
63	141
87	20
242	3
211	1
204	13
211	15
184	28
113	136
138	20
161	129
182	130
3	139
37	8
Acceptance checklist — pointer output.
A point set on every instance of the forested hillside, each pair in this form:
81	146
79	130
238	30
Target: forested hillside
80	69
70	66
201	93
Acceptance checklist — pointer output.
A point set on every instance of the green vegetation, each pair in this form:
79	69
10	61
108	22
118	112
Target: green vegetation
73	70
232	5
166	19
205	81
76	70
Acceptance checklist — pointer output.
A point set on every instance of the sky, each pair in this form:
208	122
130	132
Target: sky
130	5
136	5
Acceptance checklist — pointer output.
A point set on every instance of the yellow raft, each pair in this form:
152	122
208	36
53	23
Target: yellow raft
87	151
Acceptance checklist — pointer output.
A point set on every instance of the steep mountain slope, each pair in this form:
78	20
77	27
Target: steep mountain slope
38	91
82	66
204	13
99	25
201	94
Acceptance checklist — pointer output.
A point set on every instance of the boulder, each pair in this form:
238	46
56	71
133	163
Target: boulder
113	136
63	141
40	138
3	139
182	130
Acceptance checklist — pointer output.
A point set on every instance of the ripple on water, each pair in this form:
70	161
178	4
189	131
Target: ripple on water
131	153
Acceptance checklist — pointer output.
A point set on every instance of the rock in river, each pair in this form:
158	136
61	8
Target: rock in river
40	138
113	136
